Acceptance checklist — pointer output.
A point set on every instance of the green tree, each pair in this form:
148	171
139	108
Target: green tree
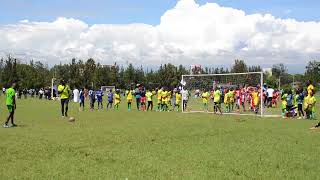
239	66
313	72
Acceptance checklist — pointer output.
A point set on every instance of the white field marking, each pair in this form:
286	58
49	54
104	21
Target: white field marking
275	116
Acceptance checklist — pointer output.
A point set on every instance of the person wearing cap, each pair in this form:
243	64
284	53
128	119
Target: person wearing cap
64	92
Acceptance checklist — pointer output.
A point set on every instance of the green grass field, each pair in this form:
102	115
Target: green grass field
140	145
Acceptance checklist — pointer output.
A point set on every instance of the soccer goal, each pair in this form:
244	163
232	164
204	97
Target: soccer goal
240	94
108	88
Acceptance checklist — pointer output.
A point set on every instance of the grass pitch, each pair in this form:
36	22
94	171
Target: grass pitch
152	145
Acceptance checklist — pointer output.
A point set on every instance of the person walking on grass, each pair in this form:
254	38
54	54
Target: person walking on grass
11	105
81	100
64	91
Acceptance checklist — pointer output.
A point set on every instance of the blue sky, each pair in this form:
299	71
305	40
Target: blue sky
141	11
205	34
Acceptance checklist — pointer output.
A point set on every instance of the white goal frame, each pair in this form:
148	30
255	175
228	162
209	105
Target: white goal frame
230	74
104	88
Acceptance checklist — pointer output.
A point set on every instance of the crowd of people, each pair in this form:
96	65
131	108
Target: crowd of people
42	93
300	102
167	100
296	103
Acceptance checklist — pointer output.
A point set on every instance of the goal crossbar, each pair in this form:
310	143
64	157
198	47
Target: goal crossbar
227	74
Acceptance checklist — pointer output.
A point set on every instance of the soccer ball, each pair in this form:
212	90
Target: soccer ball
72	119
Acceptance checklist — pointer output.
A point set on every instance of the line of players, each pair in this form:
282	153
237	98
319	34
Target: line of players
167	100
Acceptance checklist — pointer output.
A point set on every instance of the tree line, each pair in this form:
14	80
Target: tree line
90	74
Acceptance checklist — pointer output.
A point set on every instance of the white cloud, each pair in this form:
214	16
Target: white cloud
189	33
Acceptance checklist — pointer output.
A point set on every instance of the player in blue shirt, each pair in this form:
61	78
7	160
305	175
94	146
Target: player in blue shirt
99	94
110	100
81	96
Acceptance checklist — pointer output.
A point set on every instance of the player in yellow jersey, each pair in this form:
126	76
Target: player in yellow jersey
159	97
149	96
227	100
178	100
129	94
310	106
312	103
310	87
217	101
64	91
255	99
117	99
167	100
205	99
232	98
163	100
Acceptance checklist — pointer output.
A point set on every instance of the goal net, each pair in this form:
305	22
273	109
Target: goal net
233	93
108	88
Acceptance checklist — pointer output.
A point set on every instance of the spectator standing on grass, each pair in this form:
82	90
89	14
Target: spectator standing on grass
75	95
19	94
92	98
25	93
41	92
64	92
11	105
81	100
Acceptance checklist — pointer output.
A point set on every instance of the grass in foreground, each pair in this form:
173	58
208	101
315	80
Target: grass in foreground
138	145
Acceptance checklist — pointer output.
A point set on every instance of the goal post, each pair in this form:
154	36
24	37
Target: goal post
108	88
241	93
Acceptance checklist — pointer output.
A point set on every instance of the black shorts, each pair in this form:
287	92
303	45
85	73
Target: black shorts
217	103
299	107
289	108
64	101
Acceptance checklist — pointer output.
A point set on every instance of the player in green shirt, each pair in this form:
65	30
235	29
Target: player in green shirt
65	92
217	100
11	105
149	96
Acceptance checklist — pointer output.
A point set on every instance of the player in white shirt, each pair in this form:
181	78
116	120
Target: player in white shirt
270	92
76	95
185	97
